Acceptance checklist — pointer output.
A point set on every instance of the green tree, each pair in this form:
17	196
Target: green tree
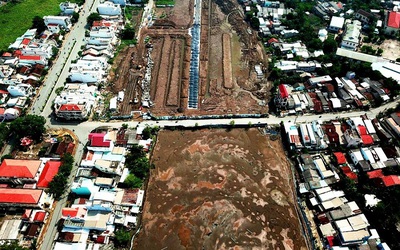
122	238
4	133
255	23
6	157
75	17
57	185
38	24
140	167
330	45
11	245
93	17
128	33
29	125
132	181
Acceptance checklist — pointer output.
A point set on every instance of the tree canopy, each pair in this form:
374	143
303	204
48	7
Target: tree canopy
122	238
93	17
29	125
132	181
128	33
38	23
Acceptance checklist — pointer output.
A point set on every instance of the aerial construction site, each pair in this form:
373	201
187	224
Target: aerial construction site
195	58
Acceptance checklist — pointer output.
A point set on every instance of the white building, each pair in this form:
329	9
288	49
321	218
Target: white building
69	8
20	90
9	114
109	9
32	59
351	38
120	2
63	21
40	49
336	24
87	71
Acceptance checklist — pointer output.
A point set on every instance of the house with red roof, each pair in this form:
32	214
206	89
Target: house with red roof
99	142
340	158
77	212
40	216
32	59
390	180
24	198
281	98
71	111
365	137
49	171
392	22
19	172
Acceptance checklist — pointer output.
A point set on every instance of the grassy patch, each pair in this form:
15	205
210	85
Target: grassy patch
165	2
15	19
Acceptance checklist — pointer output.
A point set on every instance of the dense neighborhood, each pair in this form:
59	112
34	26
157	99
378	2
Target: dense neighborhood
62	188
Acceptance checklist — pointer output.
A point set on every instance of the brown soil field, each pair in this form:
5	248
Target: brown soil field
228	52
217	189
227	61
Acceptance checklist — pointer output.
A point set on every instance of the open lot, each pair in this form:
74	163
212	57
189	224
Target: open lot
218	189
228	52
15	19
391	49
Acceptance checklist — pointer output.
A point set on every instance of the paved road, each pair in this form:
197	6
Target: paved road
85	127
59	71
57	76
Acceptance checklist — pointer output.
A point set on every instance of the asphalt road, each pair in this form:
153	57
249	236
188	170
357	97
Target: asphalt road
59	72
56	78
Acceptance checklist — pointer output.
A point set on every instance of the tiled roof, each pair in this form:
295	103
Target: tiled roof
19	168
391	180
26	41
39	216
20	196
69	212
375	174
394	20
30	57
70	107
362	130
283	91
367	139
49	171
97	140
340	157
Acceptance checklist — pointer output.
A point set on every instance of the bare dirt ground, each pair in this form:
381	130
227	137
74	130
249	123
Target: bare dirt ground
217	189
390	49
227	84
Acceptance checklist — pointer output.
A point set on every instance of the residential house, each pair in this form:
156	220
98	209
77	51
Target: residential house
32	59
49	171
351	36
109	9
41	49
69	8
9	114
79	111
120	2
364	16
87	71
63	21
392	24
336	24
19	172
29	34
19	198
20	90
